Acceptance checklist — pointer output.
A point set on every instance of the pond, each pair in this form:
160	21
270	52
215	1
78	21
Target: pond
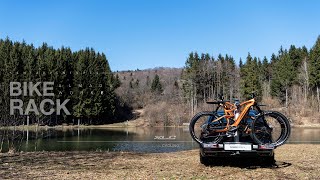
164	139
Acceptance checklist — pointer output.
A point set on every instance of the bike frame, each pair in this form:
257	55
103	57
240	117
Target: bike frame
229	113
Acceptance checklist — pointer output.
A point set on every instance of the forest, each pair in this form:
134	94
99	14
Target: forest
84	77
288	80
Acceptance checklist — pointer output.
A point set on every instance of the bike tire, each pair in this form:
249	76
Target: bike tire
288	132
193	122
260	129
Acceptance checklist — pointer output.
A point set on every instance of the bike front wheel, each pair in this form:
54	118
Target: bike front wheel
203	127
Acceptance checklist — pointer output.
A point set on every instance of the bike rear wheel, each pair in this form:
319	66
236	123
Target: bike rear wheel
271	128
203	128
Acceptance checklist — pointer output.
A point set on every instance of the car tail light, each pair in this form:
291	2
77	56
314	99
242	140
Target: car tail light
211	145
266	146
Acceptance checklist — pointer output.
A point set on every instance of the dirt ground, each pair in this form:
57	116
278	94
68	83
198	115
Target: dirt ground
293	162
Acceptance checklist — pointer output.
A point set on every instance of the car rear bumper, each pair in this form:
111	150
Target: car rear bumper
217	150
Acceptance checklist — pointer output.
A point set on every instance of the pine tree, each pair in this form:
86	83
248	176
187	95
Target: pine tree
250	82
314	69
265	69
116	81
240	63
283	77
156	86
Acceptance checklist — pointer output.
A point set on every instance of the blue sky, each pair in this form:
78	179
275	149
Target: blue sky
152	33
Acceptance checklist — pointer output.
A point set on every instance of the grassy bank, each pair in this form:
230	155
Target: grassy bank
293	162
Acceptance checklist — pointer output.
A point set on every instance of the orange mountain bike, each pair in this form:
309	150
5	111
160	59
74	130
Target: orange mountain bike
239	121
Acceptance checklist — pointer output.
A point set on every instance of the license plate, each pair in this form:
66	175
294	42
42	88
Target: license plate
238	147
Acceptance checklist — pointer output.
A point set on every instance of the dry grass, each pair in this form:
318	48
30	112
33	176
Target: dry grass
293	162
301	113
166	114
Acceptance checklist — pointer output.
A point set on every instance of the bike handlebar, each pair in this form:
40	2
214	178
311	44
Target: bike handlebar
216	102
222	101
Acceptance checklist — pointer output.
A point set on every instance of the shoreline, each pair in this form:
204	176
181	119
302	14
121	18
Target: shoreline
140	122
183	164
115	125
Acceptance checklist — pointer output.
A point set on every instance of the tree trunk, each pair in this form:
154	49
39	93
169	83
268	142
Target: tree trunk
195	99
286	97
212	92
318	98
192	100
305	67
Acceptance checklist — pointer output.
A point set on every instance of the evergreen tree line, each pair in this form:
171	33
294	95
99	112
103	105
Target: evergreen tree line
205	77
291	76
82	76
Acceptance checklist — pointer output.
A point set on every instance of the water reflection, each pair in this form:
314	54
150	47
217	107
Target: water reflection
164	139
305	136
